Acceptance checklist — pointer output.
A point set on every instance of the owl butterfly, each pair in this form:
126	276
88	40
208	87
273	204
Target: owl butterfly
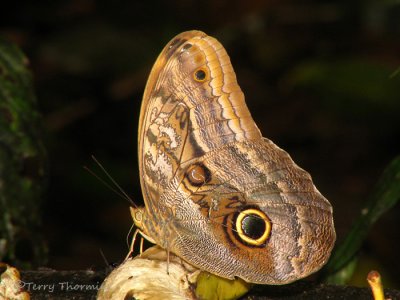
218	194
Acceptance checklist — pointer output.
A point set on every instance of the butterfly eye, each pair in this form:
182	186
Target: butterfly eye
253	226
198	174
137	216
200	75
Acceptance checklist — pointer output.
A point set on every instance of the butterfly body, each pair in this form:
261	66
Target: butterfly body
216	192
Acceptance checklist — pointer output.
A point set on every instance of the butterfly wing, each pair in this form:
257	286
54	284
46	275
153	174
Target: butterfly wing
216	193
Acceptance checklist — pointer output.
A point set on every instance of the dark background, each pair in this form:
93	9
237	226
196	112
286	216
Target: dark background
319	78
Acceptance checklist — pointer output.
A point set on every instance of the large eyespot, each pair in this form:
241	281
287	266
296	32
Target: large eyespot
253	226
200	75
198	174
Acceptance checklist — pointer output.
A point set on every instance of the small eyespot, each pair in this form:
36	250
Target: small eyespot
253	226
200	75
174	42
187	47
198	174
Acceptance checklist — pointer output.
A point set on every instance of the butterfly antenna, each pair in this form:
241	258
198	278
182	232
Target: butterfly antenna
113	181
104	182
119	191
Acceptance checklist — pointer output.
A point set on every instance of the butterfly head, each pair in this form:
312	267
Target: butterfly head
139	217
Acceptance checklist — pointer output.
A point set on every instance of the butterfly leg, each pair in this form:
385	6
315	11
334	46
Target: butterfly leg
141	245
167	261
132	244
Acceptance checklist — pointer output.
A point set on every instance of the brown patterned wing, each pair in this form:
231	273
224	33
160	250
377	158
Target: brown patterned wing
216	193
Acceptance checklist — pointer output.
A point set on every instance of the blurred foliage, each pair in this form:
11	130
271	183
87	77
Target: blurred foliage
395	73
22	162
351	85
319	78
384	197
